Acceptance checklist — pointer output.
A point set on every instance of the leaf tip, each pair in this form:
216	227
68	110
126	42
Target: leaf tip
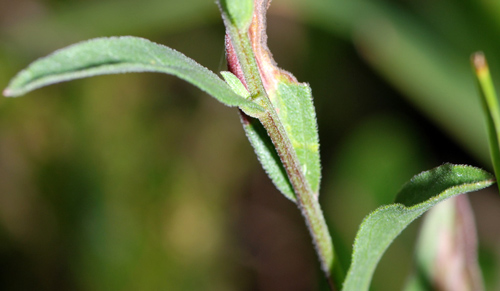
479	62
8	93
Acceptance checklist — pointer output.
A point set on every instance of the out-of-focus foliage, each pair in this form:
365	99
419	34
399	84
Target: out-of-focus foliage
119	182
423	49
491	109
446	250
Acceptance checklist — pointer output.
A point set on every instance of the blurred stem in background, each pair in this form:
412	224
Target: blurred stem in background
446	250
491	108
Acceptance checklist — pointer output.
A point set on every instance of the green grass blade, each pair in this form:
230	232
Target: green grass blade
126	54
491	108
382	226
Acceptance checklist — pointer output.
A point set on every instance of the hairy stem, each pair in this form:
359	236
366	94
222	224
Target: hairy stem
306	201
243	64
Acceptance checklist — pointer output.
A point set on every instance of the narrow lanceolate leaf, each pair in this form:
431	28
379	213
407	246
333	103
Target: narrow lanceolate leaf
381	227
266	153
126	54
491	107
293	103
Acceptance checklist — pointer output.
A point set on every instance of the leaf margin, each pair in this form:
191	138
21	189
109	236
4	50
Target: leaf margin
34	77
356	275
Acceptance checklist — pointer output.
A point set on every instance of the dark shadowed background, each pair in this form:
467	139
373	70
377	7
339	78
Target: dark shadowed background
143	182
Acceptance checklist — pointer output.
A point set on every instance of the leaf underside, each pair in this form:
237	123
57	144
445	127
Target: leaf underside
266	153
382	226
125	54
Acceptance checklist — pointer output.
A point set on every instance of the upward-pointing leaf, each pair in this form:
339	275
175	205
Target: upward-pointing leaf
381	227
126	54
294	105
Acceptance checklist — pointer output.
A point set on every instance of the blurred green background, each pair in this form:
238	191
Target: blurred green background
143	182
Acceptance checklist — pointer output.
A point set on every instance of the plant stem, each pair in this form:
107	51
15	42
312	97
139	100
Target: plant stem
306	201
248	71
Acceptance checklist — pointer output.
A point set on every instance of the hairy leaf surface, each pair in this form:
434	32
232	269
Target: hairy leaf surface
126	54
293	103
381	227
261	142
266	153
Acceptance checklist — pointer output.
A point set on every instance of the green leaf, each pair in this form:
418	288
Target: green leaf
235	84
266	153
261	142
381	227
491	108
239	12
126	54
293	103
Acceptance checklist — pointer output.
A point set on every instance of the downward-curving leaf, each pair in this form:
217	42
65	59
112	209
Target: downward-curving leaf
381	227
126	54
266	153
